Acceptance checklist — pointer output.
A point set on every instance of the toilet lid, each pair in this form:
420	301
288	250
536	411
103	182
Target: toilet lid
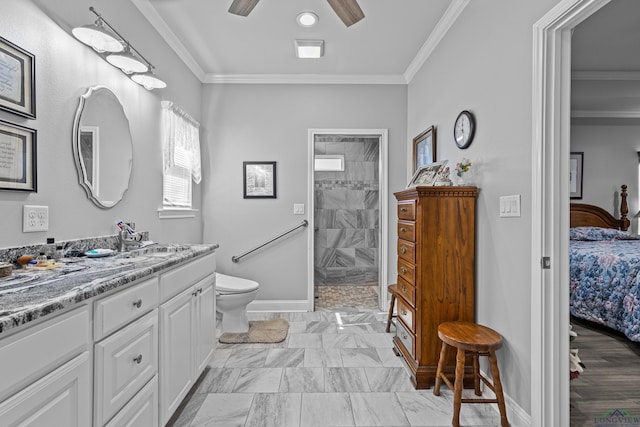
234	285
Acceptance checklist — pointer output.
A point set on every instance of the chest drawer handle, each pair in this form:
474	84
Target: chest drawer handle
403	250
403	229
403	271
404	336
403	287
403	209
137	304
404	312
138	359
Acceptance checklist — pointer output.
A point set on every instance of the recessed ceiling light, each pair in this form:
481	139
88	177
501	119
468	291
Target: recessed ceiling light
309	48
307	19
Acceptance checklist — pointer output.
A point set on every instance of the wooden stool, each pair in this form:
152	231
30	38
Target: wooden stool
393	290
480	341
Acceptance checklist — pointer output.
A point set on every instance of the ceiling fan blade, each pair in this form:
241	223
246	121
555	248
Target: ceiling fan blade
242	7
347	10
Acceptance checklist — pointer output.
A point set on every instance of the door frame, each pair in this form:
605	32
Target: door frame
551	122
383	194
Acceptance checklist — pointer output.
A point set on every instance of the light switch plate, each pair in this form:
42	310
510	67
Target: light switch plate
298	208
35	218
510	206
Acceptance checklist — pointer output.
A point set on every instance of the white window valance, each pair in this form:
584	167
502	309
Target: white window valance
180	140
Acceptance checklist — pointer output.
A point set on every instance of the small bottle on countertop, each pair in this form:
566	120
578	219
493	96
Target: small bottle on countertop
41	260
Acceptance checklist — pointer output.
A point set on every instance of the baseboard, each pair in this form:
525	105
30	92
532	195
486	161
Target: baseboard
278	305
517	416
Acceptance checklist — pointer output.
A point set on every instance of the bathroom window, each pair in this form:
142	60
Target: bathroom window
181	157
329	163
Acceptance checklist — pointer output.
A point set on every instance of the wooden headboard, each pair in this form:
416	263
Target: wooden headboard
583	215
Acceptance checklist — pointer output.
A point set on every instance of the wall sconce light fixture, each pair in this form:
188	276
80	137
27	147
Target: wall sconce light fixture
117	51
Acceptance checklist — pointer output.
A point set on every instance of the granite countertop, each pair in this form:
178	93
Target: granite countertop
28	295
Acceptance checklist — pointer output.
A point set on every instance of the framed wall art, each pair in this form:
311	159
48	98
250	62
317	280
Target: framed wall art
426	175
575	175
424	148
259	180
17	80
17	157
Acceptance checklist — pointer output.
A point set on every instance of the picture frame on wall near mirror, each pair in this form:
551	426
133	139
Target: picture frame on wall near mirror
17	80
18	162
575	175
424	148
259	180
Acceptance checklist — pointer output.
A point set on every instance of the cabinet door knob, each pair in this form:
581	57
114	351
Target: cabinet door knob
403	209
195	293
403	287
138	359
403	229
137	304
403	271
199	290
403	250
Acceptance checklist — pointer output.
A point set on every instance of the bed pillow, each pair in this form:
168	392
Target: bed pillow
598	233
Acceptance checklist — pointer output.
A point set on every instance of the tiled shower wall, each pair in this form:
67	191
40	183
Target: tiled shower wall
347	212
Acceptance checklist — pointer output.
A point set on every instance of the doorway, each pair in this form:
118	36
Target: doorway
348	217
551	121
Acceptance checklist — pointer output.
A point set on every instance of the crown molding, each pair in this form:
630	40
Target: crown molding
331	79
154	18
606	75
442	27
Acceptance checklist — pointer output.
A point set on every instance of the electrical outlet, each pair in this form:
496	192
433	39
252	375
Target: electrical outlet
35	218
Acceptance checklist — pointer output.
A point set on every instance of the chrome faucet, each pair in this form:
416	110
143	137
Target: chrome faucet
127	237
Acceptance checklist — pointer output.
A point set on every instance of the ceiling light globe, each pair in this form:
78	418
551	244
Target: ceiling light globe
127	62
307	19
149	81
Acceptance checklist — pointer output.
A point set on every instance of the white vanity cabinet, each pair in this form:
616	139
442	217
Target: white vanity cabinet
45	373
187	330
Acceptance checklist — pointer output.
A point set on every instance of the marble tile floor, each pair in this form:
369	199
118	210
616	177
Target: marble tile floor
334	369
335	297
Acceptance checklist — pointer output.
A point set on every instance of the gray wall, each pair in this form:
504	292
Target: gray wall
270	122
347	212
610	159
483	64
65	68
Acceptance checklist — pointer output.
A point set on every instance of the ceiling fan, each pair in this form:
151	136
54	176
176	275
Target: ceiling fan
347	10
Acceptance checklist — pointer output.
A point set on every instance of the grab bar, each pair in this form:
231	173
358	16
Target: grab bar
237	258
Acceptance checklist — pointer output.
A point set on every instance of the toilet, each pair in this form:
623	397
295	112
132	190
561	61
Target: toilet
233	294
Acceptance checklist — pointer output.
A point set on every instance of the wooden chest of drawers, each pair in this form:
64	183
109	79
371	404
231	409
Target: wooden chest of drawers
436	272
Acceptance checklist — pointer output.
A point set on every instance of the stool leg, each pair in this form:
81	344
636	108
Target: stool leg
476	374
390	316
497	384
457	387
443	356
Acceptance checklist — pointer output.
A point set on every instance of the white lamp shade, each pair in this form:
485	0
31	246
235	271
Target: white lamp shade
98	38
127	62
148	80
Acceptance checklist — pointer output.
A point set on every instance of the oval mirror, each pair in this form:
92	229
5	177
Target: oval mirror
102	146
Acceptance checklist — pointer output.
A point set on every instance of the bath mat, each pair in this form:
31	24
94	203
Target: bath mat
260	331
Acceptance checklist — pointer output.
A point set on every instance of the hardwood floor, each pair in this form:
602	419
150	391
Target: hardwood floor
611	379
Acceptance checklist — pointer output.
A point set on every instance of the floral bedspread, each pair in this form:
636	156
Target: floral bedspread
605	284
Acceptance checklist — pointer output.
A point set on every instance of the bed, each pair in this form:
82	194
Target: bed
604	264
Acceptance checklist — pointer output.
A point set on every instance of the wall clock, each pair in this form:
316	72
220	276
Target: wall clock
464	129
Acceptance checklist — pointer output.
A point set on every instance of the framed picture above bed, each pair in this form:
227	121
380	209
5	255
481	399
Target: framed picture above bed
575	175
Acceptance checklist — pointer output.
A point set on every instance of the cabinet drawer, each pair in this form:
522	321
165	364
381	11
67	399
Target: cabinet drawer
124	363
407	230
142	410
406	271
407	209
407	314
407	291
113	312
407	250
179	279
406	338
29	355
